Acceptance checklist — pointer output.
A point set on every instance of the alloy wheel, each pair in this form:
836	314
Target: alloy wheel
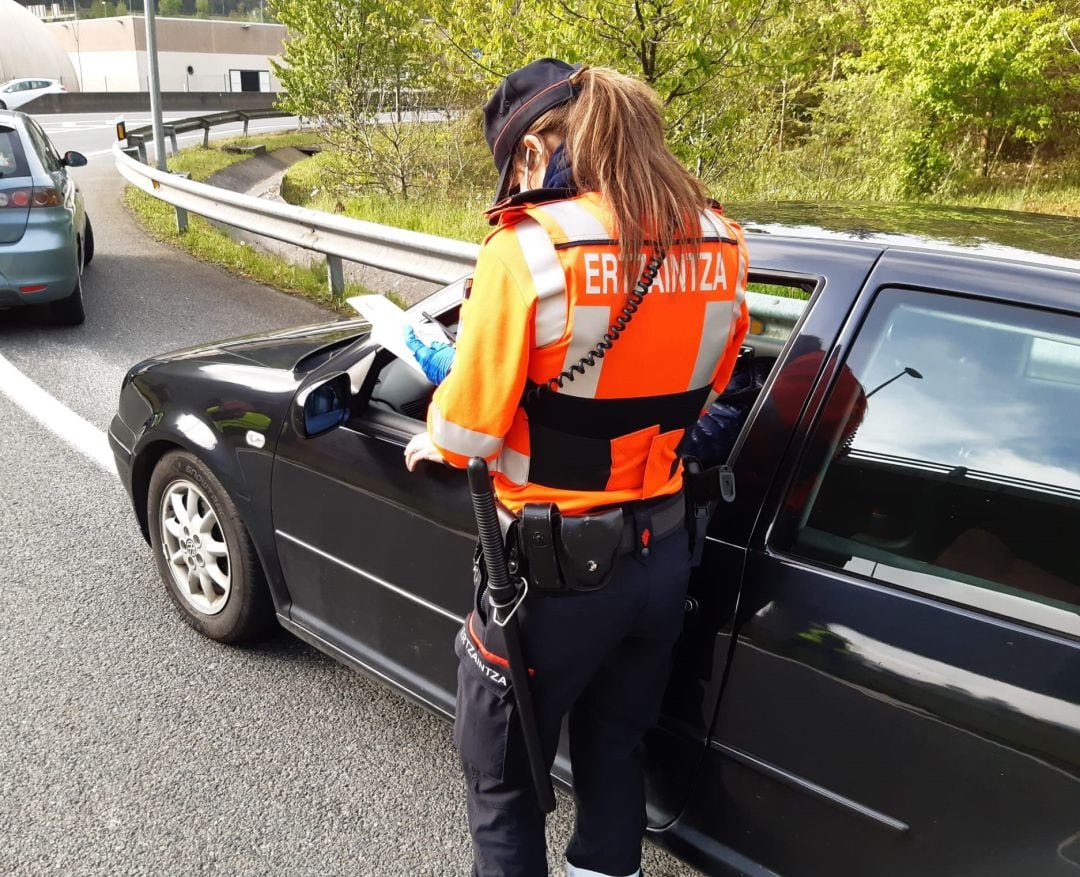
194	547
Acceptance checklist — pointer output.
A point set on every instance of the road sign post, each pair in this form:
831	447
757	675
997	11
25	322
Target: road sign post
155	85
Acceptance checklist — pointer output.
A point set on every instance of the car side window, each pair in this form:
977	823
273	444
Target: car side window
44	148
945	459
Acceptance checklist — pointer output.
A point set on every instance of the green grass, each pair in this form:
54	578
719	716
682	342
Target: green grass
1062	199
778	291
317	182
1037	187
201	163
209	244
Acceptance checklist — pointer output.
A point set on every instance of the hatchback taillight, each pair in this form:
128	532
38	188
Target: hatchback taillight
31	198
46	198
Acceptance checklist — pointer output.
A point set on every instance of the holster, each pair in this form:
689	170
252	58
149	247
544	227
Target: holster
569	554
703	489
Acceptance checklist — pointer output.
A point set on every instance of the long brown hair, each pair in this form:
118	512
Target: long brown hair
614	140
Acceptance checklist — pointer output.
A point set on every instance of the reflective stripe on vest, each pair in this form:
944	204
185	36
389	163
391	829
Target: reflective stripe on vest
460	439
715	334
579	226
549	281
513	466
740	280
589	325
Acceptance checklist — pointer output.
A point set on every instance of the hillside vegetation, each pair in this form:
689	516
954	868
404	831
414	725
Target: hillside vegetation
954	101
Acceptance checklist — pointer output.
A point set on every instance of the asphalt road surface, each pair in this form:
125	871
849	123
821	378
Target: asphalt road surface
130	744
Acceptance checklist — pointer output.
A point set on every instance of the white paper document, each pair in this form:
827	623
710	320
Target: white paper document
388	323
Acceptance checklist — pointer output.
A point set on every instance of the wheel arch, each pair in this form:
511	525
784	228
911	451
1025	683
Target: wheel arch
142	470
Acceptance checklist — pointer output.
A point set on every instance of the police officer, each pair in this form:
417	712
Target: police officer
599	231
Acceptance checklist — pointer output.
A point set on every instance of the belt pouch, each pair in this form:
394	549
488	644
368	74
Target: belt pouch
587	548
539	525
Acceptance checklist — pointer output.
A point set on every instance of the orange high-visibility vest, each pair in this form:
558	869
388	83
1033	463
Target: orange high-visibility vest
548	285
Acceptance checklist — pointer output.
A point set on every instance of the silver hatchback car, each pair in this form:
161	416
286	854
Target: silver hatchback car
45	235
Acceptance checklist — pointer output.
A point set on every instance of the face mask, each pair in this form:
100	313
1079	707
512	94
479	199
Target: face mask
559	174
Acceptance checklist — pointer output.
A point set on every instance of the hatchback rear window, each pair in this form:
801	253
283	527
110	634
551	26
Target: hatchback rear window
12	156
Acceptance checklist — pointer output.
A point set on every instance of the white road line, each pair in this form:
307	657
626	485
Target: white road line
56	417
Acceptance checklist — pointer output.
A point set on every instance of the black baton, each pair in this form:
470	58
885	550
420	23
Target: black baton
504	595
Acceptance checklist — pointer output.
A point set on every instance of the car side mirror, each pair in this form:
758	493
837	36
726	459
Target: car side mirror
75	159
322	406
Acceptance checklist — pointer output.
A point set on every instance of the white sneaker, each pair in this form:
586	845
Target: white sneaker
574	871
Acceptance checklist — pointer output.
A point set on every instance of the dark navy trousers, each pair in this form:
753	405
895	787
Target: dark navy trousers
603	658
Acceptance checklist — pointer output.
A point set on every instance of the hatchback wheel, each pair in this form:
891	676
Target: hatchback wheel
88	243
203	552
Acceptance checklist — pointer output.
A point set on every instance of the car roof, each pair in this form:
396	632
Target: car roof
1033	238
14	119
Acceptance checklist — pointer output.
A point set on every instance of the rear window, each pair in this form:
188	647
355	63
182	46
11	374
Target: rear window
12	157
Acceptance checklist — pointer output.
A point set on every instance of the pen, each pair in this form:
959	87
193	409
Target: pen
442	328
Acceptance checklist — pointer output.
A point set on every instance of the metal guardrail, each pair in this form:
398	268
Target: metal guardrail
340	239
138	137
423	256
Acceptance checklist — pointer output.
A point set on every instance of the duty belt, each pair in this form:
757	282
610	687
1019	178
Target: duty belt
560	554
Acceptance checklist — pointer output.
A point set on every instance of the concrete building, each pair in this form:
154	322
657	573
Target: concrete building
194	54
29	50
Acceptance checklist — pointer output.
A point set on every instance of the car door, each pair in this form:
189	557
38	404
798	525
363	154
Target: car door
377	559
902	696
833	273
17	94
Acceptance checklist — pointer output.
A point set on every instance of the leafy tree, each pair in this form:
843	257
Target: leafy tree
820	98
678	46
692	52
170	7
367	87
100	9
975	70
121	8
202	8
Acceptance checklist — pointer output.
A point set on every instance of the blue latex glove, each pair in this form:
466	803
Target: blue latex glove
435	359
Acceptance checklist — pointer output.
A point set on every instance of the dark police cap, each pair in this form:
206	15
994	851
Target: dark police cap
522	98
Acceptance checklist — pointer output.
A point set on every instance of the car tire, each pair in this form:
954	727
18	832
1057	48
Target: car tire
204	554
88	243
69	311
3	106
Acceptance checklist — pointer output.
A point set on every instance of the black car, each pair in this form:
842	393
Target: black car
880	669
